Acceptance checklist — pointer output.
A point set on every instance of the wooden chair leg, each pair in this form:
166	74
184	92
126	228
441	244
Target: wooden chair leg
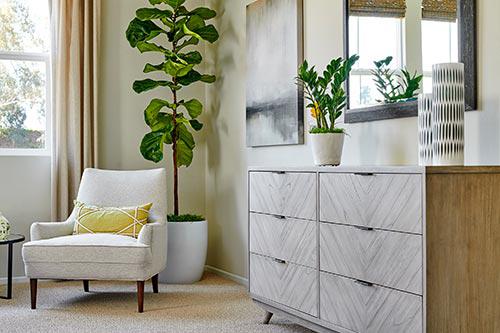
140	296
86	286
33	286
154	281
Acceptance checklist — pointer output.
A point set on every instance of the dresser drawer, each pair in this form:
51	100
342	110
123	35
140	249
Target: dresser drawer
285	283
391	259
385	201
371	309
292	240
289	194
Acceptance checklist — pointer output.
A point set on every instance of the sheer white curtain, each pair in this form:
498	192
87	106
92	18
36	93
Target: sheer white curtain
75	50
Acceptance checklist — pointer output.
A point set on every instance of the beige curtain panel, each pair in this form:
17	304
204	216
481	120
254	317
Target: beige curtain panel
378	8
439	10
75	46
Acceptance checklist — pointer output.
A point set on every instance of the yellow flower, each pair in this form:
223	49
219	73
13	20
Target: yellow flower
315	110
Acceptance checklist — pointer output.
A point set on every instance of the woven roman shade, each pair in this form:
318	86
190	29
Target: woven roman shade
439	10
378	8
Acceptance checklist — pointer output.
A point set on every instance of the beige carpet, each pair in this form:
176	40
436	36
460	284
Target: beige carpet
212	305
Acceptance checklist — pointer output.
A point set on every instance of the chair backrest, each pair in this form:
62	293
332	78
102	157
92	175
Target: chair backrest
109	188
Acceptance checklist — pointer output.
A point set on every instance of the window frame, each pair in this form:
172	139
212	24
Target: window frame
43	57
360	72
428	74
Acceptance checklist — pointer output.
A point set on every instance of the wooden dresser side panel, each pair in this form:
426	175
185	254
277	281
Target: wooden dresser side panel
463	252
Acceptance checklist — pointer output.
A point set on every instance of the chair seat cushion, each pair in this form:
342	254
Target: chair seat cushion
88	248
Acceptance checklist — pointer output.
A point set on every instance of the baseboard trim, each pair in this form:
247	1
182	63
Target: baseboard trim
230	276
15	279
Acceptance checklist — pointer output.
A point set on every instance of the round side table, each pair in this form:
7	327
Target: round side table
10	240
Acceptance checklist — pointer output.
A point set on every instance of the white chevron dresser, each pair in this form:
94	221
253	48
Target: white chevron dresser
344	249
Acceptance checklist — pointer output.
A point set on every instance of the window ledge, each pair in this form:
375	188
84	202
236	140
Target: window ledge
24	152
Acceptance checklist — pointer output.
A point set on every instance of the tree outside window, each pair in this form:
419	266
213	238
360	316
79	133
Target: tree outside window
24	69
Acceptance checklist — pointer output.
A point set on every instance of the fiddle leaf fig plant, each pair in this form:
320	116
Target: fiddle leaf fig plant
325	94
171	30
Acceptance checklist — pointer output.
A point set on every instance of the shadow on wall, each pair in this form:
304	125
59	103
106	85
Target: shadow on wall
226	153
488	133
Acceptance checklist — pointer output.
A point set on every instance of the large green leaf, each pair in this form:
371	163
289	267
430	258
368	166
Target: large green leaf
208	33
194	108
204	13
175	4
208	78
196	125
151	47
152	146
153	110
195	22
190	41
187	31
154	68
185	136
148	84
184	154
141	31
176	69
193	57
185	146
145	14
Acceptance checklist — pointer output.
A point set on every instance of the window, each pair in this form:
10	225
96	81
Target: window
24	77
439	45
372	38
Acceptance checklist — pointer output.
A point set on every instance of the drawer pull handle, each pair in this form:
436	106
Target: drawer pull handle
281	217
364	173
280	172
364	283
364	228
279	261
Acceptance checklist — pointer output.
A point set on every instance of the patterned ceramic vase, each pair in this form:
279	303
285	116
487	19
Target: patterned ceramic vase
425	129
448	113
4	227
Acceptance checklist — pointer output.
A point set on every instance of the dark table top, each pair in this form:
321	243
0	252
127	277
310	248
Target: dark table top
14	238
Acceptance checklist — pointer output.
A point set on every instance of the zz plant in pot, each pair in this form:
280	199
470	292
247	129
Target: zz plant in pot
326	98
172	31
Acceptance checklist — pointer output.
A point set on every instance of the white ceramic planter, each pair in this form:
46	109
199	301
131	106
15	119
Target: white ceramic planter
327	148
187	252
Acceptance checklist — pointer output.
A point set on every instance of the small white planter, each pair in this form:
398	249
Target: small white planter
187	252
327	148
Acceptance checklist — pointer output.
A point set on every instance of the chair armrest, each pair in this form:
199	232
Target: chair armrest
155	235
46	230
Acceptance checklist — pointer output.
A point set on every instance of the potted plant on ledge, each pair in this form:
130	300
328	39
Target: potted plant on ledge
170	29
327	99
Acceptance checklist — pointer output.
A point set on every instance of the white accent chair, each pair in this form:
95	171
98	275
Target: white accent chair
54	253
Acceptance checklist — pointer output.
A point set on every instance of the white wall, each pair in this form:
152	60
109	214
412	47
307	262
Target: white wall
121	116
24	199
391	142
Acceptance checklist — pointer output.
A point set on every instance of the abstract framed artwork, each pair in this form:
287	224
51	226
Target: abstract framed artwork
274	103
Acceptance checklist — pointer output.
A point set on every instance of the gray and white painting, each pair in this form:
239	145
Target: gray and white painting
275	113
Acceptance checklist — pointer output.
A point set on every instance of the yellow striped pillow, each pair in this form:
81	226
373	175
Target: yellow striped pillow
127	221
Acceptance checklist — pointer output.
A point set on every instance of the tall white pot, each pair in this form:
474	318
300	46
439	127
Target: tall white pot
448	113
327	148
425	129
187	252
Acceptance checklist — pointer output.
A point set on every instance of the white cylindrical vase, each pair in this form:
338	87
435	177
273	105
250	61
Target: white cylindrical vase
425	129
448	113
